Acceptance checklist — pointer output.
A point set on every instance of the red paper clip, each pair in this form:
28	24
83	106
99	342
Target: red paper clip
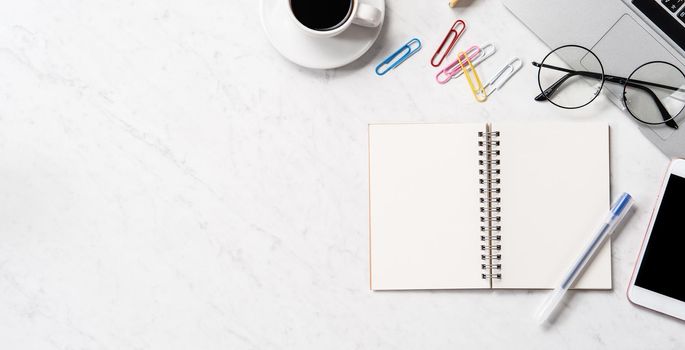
454	35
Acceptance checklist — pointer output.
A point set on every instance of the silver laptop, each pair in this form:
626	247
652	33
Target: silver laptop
624	34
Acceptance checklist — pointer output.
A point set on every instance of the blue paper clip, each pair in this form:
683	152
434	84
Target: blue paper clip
393	61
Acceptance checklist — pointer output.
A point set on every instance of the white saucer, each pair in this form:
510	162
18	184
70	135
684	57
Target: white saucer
314	52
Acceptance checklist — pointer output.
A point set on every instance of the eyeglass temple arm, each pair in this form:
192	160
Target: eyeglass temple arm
610	78
668	120
552	88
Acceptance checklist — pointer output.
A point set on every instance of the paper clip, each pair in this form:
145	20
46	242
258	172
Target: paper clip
451	69
468	69
503	75
454	34
408	49
486	51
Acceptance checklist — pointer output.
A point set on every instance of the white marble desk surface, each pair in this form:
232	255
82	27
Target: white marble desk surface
169	181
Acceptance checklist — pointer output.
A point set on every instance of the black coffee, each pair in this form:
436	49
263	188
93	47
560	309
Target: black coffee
321	14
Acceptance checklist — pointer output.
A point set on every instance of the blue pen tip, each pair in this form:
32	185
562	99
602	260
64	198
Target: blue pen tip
621	203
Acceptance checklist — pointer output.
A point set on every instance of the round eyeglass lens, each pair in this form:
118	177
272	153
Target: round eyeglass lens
565	86
655	92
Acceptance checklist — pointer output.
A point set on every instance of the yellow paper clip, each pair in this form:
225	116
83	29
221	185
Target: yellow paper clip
468	69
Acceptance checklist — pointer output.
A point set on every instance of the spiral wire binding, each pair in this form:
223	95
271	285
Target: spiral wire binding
490	204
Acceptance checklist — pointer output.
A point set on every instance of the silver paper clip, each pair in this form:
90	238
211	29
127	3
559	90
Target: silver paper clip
504	74
392	61
486	51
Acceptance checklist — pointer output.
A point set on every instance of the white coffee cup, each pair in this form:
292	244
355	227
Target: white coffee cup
362	14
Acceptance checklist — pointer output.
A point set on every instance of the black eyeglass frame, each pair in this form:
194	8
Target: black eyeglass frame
626	82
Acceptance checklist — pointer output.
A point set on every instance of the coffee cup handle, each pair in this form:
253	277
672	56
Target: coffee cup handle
367	16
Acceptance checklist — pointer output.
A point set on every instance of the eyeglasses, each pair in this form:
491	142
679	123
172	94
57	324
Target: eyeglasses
654	93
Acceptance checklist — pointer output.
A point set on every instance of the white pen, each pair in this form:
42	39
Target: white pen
618	211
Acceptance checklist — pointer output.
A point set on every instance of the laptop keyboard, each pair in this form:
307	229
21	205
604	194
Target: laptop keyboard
668	15
676	7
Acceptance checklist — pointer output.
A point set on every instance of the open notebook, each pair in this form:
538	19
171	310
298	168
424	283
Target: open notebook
501	205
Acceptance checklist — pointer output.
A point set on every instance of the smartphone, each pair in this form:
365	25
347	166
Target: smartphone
657	282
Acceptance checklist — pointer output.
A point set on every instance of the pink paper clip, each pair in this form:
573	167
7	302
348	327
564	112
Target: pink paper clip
453	68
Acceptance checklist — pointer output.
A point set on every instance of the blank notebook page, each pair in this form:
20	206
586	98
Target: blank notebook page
424	206
554	192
